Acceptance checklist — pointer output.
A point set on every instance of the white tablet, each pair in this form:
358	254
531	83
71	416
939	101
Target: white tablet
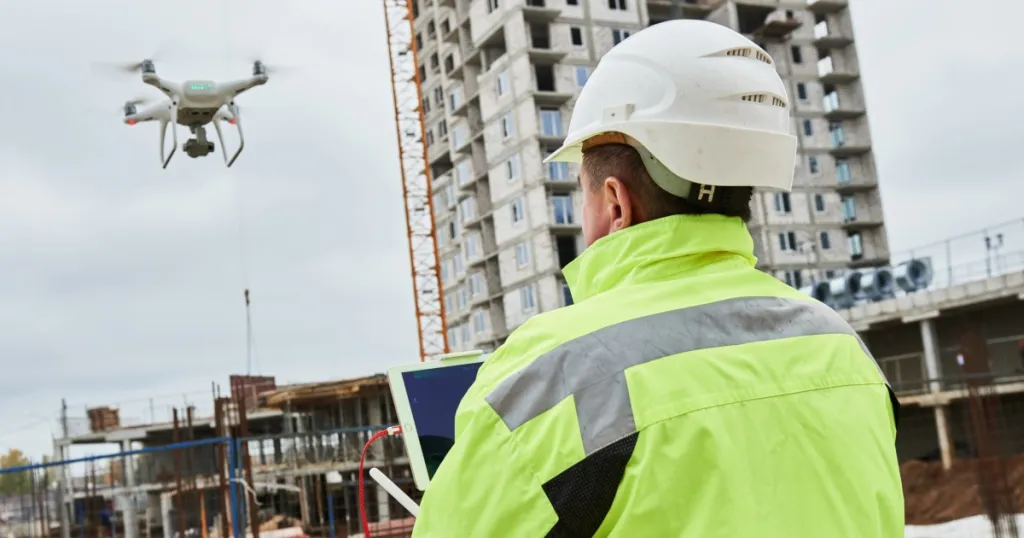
426	396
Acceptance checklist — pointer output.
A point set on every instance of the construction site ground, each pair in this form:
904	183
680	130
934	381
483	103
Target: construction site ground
934	496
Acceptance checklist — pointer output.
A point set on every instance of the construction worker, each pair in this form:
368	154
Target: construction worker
685	393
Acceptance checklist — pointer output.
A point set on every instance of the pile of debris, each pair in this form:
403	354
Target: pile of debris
278	526
934	496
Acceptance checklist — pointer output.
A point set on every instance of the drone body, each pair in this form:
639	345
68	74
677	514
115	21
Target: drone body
194	104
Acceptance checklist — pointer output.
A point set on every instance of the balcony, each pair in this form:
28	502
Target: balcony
557	178
438	152
545	91
551	130
838	108
544	97
851	180
777	25
457	103
540	51
540	11
563	215
822	7
450	32
827	37
681	9
846	144
855	218
830	73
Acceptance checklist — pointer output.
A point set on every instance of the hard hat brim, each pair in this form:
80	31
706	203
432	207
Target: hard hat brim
707	154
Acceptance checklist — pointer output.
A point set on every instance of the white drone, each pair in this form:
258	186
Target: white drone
193	103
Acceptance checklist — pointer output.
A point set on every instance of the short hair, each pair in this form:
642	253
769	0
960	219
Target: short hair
625	163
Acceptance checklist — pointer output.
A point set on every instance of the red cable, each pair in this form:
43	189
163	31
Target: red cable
393	430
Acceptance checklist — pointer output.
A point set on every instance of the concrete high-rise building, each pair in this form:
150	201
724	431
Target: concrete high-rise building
499	81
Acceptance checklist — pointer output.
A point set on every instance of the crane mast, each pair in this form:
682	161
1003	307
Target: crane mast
416	181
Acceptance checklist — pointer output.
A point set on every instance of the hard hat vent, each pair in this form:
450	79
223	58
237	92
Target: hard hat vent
764	98
750	52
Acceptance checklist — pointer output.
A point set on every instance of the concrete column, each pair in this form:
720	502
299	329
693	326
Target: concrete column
377	452
165	514
131	519
303	481
153	510
932	366
942	428
65	500
933	369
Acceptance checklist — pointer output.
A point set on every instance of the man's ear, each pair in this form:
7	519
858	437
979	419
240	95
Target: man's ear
617	202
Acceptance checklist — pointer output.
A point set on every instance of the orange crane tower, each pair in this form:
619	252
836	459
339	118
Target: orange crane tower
416	189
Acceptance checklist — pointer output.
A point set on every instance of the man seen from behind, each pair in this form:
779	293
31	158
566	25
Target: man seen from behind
685	393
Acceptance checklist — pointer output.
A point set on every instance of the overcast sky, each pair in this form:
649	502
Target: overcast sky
120	281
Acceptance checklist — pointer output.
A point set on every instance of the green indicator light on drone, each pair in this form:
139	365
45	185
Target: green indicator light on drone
200	87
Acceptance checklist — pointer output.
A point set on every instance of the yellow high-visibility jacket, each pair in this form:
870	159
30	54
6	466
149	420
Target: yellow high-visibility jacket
684	394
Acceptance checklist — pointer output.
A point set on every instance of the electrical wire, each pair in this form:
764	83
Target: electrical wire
391	430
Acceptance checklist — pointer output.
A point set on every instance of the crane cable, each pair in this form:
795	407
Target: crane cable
251	355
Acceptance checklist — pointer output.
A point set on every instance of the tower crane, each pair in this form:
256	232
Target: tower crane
416	181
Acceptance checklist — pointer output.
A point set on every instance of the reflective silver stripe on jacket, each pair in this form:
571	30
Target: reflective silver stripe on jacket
592	367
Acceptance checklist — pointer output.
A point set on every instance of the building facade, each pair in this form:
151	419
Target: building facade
499	81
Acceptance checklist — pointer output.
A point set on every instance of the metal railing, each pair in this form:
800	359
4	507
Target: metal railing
972	256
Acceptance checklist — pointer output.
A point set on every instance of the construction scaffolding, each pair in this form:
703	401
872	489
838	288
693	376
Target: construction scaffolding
271	462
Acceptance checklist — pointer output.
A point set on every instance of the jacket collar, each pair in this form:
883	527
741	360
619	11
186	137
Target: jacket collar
658	250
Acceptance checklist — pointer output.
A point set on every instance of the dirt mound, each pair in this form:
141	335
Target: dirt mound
934	496
280	522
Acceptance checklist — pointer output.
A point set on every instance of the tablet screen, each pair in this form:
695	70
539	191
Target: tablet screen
434	395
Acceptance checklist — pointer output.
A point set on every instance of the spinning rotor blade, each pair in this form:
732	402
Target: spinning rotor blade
139	101
271	68
134	66
122	67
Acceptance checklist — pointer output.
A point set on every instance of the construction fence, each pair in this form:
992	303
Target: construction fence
171	490
271	486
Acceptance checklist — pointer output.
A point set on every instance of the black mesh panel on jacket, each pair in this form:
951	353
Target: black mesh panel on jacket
582	495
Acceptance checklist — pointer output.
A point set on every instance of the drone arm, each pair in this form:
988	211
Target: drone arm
157	112
140	118
174	135
170	89
233	88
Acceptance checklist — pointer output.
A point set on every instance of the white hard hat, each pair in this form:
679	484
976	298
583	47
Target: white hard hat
701	103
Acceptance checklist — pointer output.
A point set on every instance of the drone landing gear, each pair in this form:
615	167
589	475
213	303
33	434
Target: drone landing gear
198	146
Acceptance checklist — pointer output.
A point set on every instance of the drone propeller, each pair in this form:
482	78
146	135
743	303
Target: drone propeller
138	101
130	106
145	64
259	66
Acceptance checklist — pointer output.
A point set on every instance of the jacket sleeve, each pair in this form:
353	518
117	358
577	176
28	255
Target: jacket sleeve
483	488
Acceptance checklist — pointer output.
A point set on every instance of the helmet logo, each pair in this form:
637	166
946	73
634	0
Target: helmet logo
708	190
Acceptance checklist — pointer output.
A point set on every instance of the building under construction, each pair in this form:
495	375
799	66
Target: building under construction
297	450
